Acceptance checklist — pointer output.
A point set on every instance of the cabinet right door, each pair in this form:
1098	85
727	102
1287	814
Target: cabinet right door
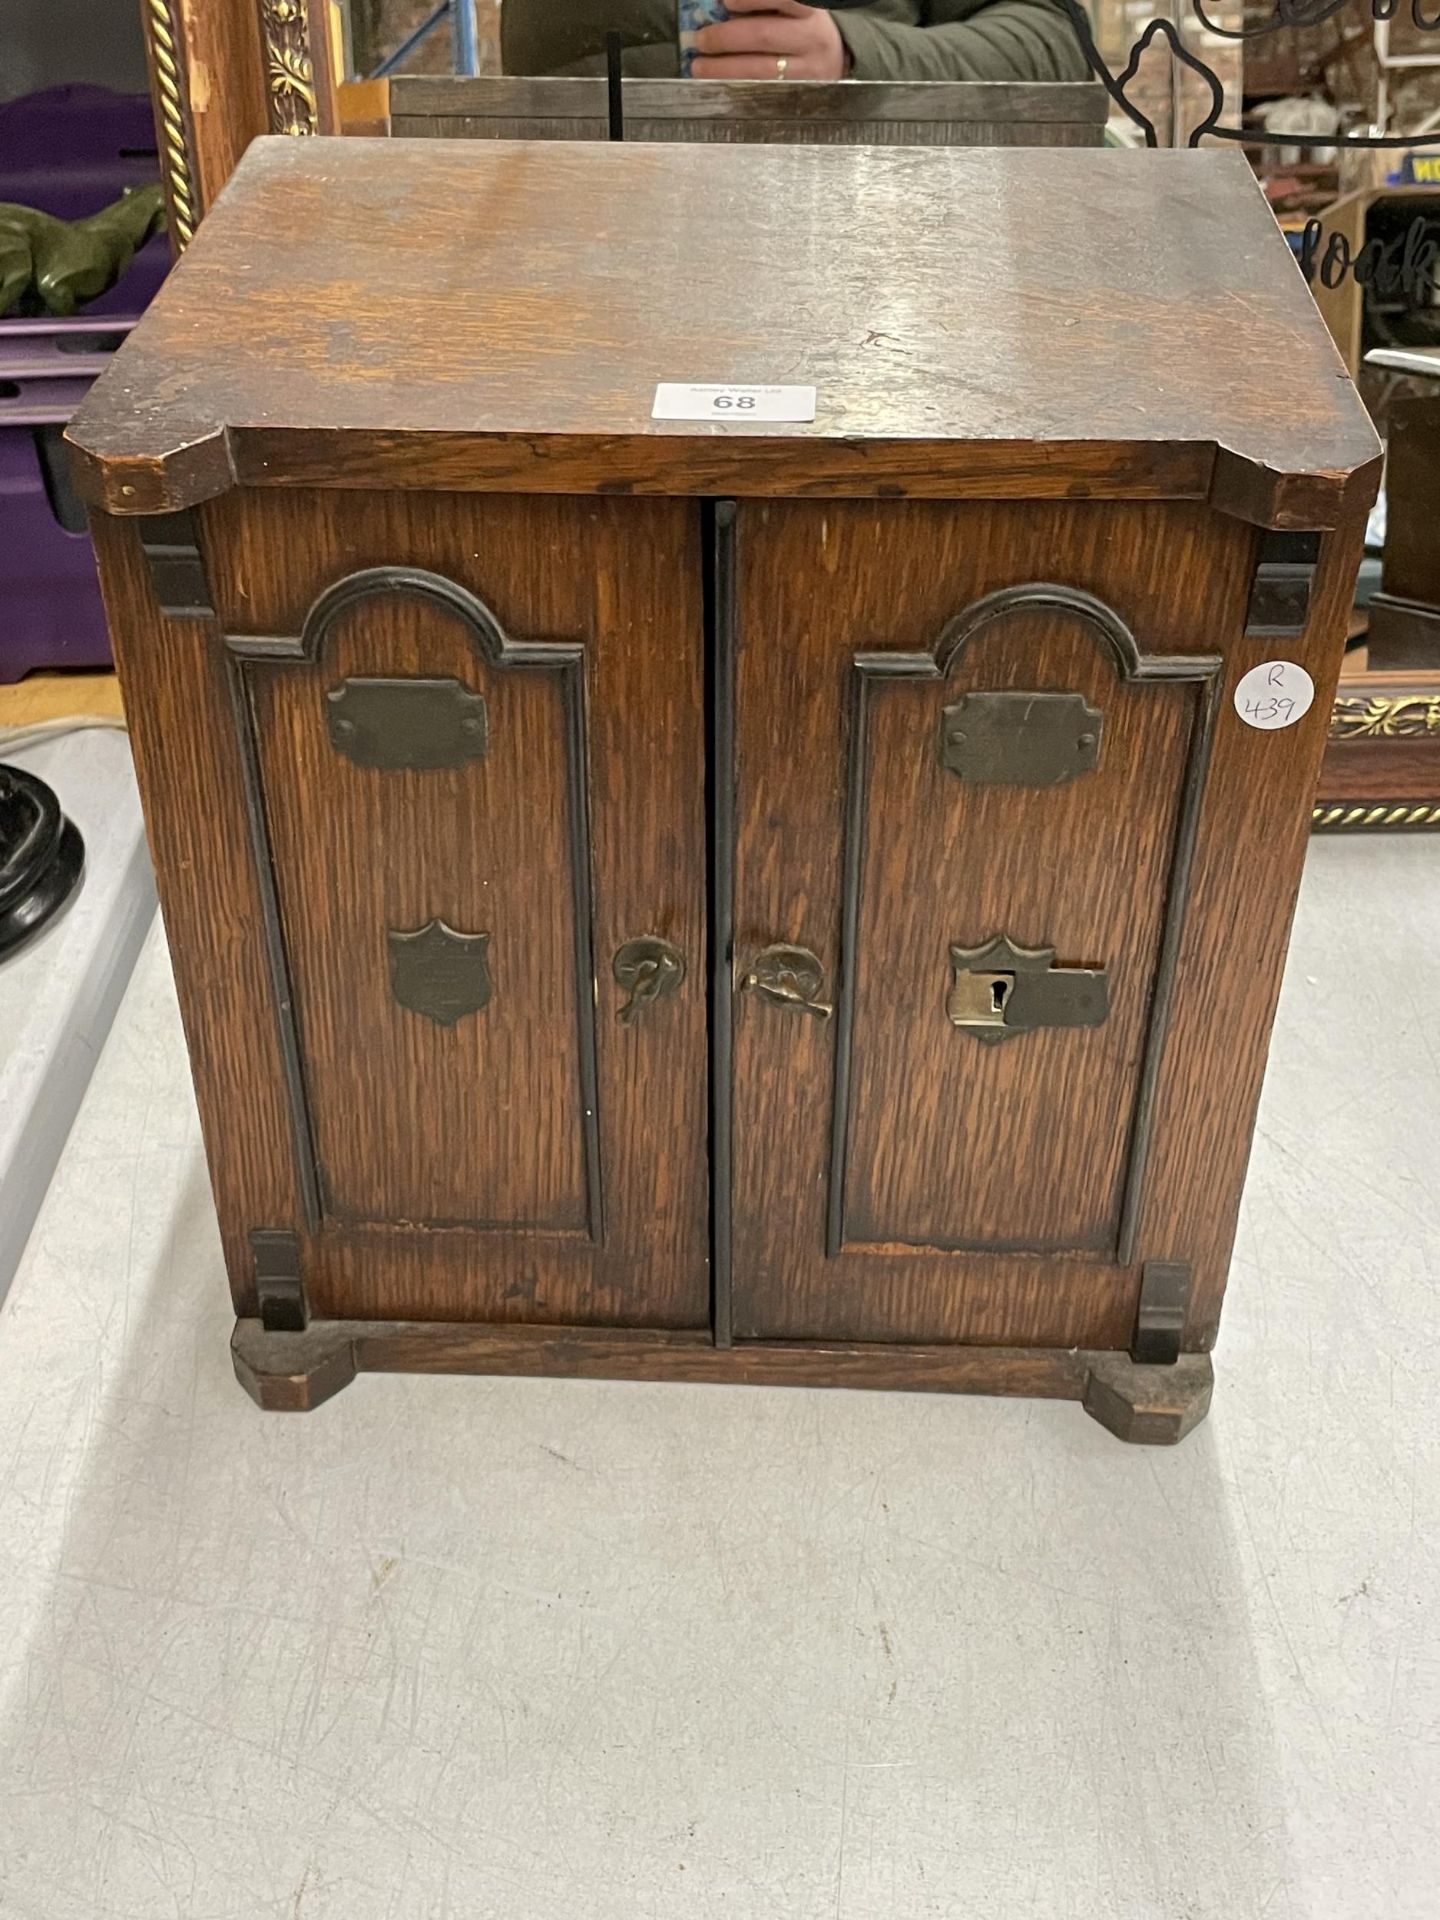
1009	903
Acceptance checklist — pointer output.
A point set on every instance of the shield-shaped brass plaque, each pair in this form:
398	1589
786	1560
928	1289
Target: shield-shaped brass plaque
439	972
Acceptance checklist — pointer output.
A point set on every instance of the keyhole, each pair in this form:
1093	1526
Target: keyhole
999	993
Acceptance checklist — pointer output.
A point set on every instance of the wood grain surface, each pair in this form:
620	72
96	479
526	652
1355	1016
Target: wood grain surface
1384	744
959	113
496	316
295	1373
1097	370
1250	850
953	1142
944	1130
481	1122
176	682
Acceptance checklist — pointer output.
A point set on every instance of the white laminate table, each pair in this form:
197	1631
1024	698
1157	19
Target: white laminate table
59	992
561	1650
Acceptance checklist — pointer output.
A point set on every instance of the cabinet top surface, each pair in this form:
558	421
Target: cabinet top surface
498	315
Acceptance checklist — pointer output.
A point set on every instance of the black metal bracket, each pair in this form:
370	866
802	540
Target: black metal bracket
614	86
278	1286
1284	576
171	543
1160	1321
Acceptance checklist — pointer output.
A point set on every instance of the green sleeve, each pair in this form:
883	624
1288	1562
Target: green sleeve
966	40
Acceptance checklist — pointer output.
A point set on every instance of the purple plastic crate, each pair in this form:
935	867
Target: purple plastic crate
72	150
52	348
69	151
50	611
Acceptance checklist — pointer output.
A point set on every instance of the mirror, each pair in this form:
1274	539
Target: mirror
824	40
902	72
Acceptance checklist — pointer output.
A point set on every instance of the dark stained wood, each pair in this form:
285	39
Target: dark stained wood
294	1373
1148	1406
414	1120
1083	867
1025	1143
443	314
187	756
1249	856
952	1140
414	1123
1382	761
1404	631
453	374
853	112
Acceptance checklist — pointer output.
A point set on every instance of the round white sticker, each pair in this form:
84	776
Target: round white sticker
1275	694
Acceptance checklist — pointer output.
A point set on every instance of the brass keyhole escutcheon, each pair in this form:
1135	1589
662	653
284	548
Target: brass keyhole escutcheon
789	977
1002	989
977	999
649	969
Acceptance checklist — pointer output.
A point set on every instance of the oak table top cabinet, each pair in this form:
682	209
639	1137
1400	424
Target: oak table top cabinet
729	900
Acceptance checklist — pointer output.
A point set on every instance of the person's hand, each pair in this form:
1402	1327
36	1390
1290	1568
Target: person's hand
765	32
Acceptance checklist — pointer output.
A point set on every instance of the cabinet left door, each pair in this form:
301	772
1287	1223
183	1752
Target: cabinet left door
424	777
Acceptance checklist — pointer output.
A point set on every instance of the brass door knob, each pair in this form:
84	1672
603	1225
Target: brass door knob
789	977
648	969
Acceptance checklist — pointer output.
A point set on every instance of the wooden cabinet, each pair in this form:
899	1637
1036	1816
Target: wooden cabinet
786	901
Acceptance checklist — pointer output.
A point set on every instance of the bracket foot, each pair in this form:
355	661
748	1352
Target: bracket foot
292	1372
1149	1406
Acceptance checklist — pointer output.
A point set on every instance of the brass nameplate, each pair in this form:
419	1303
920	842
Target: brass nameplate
1021	739
415	725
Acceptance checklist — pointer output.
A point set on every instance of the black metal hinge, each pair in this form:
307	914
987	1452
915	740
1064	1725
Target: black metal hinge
1284	575
278	1286
1160	1322
177	571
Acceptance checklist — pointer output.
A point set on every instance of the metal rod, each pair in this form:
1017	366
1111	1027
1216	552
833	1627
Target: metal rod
467	44
614	86
720	620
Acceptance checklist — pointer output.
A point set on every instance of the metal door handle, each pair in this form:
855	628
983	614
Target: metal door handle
789	977
648	969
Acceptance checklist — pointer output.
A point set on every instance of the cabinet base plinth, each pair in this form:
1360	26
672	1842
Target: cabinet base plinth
295	1372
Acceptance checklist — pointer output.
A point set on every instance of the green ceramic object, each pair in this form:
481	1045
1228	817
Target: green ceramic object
17	267
72	261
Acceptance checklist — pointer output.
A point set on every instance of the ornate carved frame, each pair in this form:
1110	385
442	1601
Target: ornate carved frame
224	71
